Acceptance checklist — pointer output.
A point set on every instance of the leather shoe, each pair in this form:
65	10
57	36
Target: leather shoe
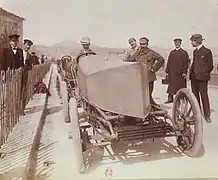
208	119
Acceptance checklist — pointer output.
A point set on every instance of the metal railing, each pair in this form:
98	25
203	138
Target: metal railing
10	95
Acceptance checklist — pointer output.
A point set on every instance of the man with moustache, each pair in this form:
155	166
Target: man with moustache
86	43
177	69
134	47
27	67
12	57
200	73
153	60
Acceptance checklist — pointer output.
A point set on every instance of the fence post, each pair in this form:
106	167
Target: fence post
10	95
64	96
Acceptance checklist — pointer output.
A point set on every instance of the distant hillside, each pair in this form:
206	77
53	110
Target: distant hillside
68	47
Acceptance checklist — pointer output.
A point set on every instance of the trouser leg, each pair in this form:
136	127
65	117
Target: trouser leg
195	89
203	88
151	89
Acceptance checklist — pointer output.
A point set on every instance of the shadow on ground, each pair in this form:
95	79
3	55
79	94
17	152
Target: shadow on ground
53	110
33	109
146	151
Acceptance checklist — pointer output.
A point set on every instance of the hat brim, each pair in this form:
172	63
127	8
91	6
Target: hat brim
16	36
197	39
28	41
177	39
85	42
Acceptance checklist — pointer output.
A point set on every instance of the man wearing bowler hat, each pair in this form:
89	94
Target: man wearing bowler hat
176	70
12	57
27	67
200	73
153	60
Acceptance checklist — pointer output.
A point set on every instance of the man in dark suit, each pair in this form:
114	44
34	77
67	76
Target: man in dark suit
27	67
200	73
12	57
177	69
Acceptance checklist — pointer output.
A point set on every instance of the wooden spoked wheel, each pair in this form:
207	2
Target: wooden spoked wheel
188	122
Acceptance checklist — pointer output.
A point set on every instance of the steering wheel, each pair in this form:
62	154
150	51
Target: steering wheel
84	54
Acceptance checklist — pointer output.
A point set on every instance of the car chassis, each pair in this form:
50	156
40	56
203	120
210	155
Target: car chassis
111	128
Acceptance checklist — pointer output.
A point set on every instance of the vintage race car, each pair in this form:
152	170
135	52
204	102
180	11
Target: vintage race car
113	97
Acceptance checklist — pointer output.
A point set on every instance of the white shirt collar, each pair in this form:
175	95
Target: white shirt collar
199	47
178	48
14	49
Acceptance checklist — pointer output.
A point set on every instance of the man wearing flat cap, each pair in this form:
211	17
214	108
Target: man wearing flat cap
134	47
12	57
27	56
27	67
153	60
177	69
200	73
85	42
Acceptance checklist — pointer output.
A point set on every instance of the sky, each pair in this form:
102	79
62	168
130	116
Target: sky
111	22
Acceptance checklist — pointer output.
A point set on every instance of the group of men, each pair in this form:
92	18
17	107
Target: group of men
13	57
177	68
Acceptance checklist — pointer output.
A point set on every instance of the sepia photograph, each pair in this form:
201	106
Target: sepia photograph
116	89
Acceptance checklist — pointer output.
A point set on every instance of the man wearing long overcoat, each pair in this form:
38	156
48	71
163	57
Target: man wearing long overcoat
200	73
153	60
177	68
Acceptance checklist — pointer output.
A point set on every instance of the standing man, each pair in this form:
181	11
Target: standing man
35	59
12	57
153	60
27	56
27	67
177	69
134	47
200	73
42	59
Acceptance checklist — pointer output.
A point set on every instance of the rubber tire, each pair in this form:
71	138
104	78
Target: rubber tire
64	95
196	148
76	135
